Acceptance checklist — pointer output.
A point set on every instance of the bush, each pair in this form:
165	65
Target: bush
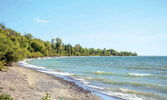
47	97
2	63
5	97
36	54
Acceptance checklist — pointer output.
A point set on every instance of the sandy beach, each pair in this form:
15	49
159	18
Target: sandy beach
27	84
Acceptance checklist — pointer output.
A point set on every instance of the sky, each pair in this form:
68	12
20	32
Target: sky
124	25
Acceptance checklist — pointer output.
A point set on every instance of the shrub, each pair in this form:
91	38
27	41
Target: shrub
47	97
5	97
36	54
2	63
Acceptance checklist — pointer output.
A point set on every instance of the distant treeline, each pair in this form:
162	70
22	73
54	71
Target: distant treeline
15	47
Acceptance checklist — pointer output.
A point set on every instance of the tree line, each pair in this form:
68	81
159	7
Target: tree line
15	47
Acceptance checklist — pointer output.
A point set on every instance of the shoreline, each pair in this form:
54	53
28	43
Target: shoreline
28	84
66	77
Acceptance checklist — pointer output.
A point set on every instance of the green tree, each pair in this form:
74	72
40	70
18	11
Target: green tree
29	37
59	45
38	46
15	47
2	62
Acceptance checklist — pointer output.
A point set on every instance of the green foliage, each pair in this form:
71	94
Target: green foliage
15	55
29	37
5	97
2	63
58	46
38	46
36	54
15	47
47	97
11	50
5	44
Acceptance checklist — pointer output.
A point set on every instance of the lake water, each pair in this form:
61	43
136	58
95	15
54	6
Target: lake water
131	78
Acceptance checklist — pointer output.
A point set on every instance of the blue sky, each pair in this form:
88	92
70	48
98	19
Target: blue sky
124	25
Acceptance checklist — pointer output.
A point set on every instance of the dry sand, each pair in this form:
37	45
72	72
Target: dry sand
27	84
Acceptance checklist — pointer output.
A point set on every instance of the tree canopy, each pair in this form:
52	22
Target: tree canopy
15	47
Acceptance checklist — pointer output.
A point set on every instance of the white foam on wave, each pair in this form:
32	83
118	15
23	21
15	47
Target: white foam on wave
53	72
99	72
138	74
82	80
46	58
95	87
79	79
86	83
124	96
121	95
41	68
25	64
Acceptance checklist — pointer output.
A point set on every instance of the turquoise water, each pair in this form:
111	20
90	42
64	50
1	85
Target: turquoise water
131	78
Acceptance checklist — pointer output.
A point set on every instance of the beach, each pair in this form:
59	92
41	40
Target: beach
27	84
111	78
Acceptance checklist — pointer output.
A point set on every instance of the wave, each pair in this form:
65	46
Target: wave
53	72
41	68
120	83
119	74
86	77
122	93
130	83
153	68
147	75
157	87
58	66
137	92
162	77
128	94
138	74
85	82
58	70
25	64
93	86
101	73
123	96
139	67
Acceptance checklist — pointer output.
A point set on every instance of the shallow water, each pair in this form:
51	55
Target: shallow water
131	78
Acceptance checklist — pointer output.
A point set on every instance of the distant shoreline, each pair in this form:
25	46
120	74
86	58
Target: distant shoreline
25	83
76	56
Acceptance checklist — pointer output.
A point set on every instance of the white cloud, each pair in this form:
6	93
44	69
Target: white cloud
41	21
